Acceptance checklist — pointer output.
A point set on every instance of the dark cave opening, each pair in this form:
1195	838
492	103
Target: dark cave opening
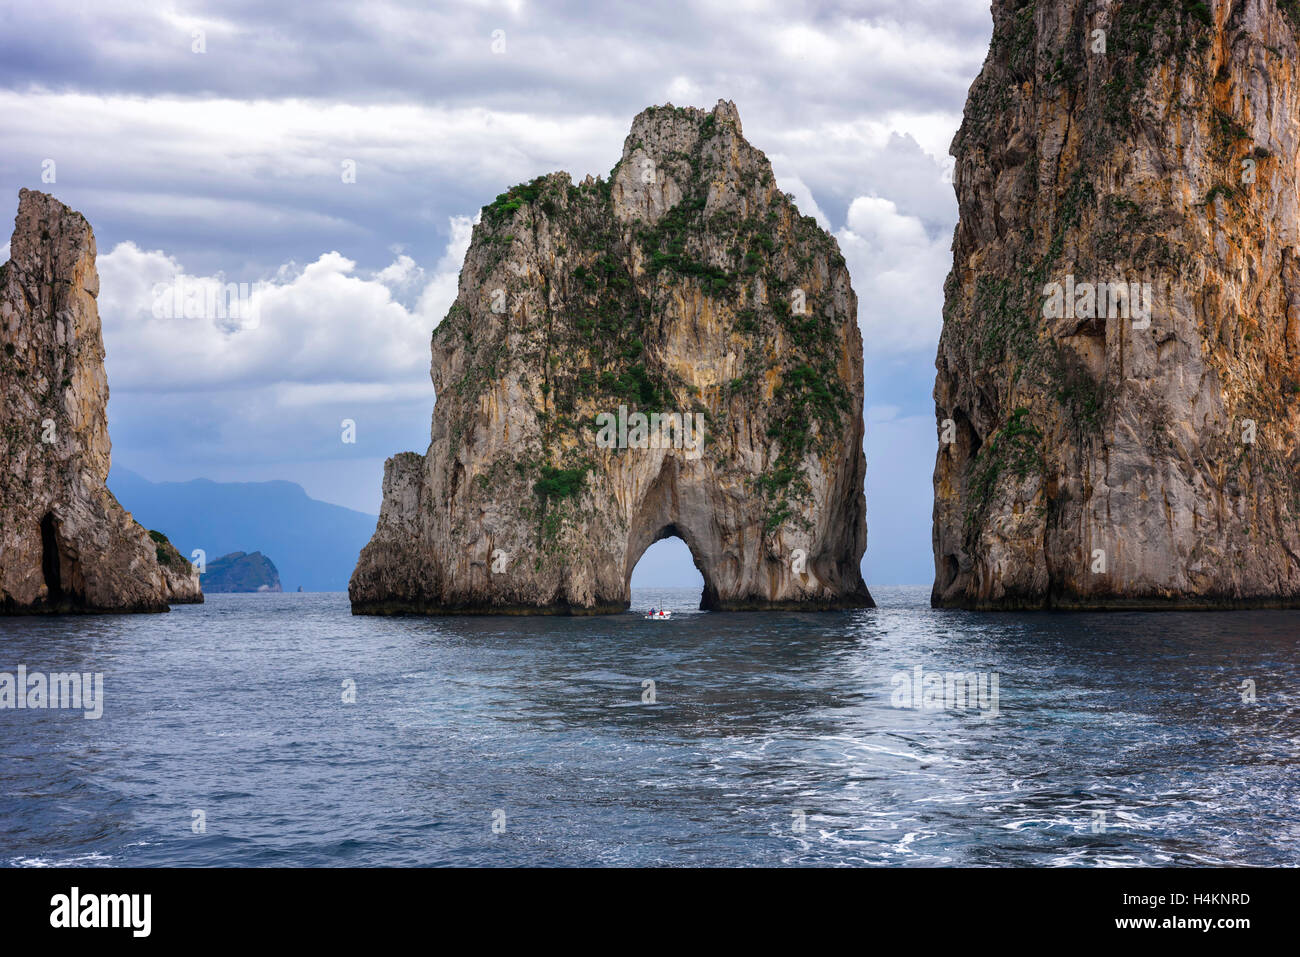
50	559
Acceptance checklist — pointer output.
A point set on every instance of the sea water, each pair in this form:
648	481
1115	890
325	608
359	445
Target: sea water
278	729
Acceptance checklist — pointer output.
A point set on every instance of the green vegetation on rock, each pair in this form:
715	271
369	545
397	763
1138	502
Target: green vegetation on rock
579	323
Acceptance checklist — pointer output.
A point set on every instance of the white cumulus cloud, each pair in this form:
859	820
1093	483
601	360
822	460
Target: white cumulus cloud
325	322
898	271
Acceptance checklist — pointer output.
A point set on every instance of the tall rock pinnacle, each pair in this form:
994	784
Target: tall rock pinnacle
673	351
66	545
1118	390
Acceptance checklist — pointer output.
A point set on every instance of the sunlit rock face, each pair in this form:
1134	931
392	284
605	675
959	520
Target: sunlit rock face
66	545
1101	450
671	351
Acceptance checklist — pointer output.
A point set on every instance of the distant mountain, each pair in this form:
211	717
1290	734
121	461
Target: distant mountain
314	544
240	571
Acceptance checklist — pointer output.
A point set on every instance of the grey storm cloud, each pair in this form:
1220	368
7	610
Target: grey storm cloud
560	57
225	165
187	152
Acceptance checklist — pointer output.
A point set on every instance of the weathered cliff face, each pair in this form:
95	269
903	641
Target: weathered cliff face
182	578
685	285
1093	456
65	543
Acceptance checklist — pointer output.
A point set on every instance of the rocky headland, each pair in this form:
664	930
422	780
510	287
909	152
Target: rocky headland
241	572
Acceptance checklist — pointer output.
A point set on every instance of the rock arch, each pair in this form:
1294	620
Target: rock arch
635	553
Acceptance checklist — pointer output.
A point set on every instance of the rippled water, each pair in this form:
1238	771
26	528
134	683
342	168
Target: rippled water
761	722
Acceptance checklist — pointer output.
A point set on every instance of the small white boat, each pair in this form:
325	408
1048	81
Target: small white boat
659	615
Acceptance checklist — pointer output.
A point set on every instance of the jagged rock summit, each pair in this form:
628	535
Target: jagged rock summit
671	351
1118	390
66	545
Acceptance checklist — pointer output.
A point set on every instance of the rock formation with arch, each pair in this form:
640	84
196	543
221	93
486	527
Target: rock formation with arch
685	289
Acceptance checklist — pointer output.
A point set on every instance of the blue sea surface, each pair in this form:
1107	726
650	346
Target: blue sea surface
772	739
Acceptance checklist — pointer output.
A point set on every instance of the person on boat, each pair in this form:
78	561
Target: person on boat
652	612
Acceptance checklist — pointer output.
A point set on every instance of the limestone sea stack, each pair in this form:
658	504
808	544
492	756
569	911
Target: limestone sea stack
671	351
66	545
1118	389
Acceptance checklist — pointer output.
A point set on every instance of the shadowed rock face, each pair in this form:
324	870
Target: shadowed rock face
65	543
1091	455
242	572
685	285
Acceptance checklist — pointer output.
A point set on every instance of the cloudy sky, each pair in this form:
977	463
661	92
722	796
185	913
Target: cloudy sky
209	140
